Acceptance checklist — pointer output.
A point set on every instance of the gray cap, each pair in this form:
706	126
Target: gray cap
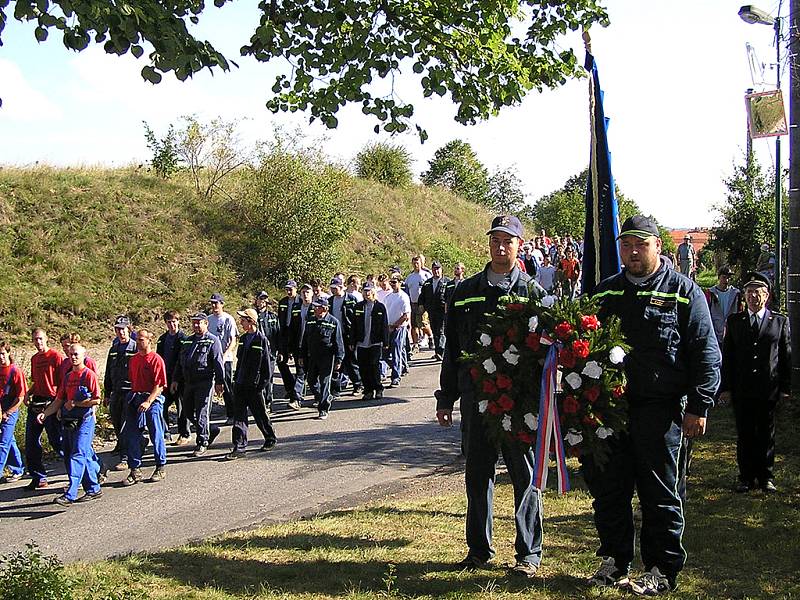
506	224
320	302
200	316
217	297
121	322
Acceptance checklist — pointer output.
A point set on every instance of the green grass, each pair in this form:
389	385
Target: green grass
706	278
740	546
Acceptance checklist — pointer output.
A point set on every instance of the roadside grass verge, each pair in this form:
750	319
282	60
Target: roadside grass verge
740	546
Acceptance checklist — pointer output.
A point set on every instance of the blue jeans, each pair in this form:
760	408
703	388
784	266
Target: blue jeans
10	456
153	419
397	343
33	443
481	459
644	459
197	396
80	459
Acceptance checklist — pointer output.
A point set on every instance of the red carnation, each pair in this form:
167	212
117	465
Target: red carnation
497	344
511	334
525	437
566	358
563	330
503	382
494	408
592	394
505	402
563	419
532	341
619	391
515	306
571	405
589	323
580	348
489	386
590	420
474	373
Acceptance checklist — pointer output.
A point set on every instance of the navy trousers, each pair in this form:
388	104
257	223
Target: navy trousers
320	372
245	397
33	443
198	395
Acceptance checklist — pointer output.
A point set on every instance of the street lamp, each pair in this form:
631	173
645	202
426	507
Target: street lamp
753	15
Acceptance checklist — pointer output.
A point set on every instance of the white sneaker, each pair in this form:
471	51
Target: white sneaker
652	583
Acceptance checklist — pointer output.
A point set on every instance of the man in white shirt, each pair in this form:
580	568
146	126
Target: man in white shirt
414	282
546	274
398	315
223	325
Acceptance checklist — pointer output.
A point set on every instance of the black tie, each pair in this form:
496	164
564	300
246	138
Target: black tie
754	325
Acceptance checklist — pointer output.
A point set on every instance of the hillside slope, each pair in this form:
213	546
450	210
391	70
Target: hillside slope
79	246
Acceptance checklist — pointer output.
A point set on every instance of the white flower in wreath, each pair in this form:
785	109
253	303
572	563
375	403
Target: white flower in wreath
511	355
489	366
533	323
573	380
616	355
592	369
548	301
531	421
485	339
573	437
506	423
482	405
604	432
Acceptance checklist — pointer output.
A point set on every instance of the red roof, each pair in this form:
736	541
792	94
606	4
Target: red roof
699	236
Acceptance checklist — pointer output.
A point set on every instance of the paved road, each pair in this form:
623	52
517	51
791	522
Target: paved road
316	464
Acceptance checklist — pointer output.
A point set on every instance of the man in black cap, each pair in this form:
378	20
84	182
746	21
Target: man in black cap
369	336
322	352
288	308
270	327
340	305
117	383
673	374
302	313
431	299
472	300
756	373
223	325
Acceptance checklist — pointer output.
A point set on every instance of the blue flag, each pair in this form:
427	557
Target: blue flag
600	252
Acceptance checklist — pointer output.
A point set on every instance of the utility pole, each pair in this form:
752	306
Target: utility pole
793	270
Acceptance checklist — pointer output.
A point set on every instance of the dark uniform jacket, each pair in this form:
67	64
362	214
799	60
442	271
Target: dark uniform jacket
296	334
472	299
450	289
200	360
174	354
116	378
270	327
379	326
350	302
433	301
285	307
253	362
674	351
756	368
322	339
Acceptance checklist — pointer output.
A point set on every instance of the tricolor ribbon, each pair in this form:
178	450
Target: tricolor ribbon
549	429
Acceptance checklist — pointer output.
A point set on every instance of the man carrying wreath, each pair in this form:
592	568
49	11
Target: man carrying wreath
466	311
673	374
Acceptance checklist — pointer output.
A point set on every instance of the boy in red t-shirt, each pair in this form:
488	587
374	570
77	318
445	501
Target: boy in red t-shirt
45	379
12	391
572	270
145	406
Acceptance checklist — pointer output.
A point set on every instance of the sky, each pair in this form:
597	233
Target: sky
674	77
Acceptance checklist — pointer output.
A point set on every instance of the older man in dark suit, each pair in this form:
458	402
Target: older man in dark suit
756	367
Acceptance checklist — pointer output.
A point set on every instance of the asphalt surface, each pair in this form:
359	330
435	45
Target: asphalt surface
317	465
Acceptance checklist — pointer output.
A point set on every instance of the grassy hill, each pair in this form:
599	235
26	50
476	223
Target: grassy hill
81	245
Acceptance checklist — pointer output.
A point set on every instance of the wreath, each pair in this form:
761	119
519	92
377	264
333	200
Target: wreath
507	368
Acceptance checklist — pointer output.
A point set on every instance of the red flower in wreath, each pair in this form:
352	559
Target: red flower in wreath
498	345
566	358
618	392
503	382
474	373
580	348
589	323
494	408
516	306
532	341
505	402
489	387
592	394
571	405
525	437
511	334
590	420
563	330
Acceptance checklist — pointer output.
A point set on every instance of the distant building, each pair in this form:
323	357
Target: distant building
699	235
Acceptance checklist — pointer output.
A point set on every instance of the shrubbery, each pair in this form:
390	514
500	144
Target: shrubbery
386	163
456	167
30	575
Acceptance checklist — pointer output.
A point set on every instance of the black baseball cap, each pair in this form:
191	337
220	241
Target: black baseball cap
200	316
639	226
121	322
262	295
507	224
217	297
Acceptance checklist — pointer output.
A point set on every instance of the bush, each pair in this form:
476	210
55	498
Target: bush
165	151
30	575
448	253
456	167
385	163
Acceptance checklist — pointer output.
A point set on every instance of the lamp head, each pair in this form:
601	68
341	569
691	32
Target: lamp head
752	14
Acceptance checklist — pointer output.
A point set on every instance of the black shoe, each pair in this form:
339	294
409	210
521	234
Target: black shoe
268	445
63	500
87	497
367	396
323	415
234	454
523	568
357	387
768	487
471	563
134	477
379	395
742	487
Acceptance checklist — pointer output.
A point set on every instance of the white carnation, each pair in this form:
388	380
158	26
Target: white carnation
616	355
485	339
506	423
531	422
533	323
604	432
592	369
511	355
573	437
548	301
489	366
573	380
482	405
